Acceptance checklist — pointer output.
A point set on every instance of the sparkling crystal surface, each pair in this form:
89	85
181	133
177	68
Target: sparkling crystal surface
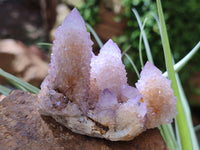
90	95
107	69
158	96
69	70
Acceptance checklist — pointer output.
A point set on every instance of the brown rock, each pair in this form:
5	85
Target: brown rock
22	127
22	61
2	97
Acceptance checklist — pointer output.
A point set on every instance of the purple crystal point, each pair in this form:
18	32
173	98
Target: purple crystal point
107	69
69	70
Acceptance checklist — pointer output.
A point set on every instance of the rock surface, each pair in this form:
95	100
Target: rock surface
2	97
22	127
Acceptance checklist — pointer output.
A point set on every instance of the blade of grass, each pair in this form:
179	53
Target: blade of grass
133	65
178	136
188	114
157	21
15	80
45	44
146	43
183	129
5	91
163	134
126	50
140	43
95	35
168	135
17	85
178	66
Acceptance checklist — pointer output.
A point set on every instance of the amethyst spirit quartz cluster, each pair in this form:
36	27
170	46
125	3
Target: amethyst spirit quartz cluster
89	94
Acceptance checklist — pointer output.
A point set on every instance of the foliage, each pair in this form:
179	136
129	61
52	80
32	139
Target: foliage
89	11
186	138
181	18
131	35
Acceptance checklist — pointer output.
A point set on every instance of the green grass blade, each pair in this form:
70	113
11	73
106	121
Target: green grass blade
17	85
157	21
146	43
140	44
16	81
178	136
163	134
178	66
45	44
188	115
5	91
133	65
183	129
185	59
95	35
168	135
126	50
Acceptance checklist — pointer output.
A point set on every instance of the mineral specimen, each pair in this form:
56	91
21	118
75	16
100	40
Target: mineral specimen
89	94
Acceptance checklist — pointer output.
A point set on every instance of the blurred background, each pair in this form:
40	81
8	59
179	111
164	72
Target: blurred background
26	24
